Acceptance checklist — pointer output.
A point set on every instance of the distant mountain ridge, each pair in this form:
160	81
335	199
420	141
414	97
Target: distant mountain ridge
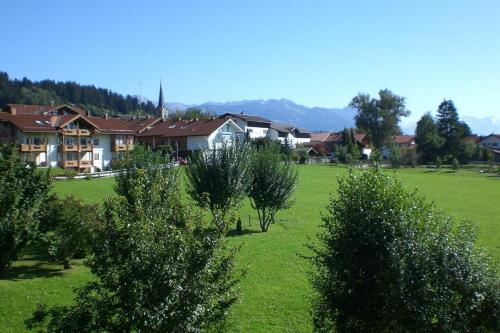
283	110
318	118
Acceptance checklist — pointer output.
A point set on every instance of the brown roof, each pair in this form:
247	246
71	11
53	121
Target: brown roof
41	109
400	139
246	117
319	137
179	128
337	137
110	125
140	125
30	122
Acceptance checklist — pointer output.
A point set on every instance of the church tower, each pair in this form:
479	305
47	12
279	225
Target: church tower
162	108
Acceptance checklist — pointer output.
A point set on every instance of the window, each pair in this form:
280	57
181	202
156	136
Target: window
250	130
96	142
96	157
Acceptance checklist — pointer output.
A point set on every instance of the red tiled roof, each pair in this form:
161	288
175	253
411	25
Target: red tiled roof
400	139
181	128
30	122
41	109
139	125
110	125
319	137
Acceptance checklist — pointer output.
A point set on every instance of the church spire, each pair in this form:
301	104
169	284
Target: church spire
162	108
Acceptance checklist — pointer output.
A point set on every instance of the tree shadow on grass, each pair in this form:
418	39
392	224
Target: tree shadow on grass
234	233
31	271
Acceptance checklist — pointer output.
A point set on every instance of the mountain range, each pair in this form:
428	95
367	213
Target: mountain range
318	118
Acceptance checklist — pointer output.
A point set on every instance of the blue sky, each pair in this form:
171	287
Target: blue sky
316	53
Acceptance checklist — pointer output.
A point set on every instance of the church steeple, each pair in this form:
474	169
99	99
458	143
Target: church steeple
162	108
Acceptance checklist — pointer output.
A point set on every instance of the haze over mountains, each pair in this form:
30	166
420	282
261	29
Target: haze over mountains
318	118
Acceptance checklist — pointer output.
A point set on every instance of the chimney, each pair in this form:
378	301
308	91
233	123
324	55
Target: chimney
179	119
88	113
211	117
196	119
106	116
13	111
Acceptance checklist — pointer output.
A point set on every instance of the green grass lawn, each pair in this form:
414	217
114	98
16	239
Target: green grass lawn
275	293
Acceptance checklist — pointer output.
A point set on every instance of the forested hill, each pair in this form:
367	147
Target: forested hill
96	100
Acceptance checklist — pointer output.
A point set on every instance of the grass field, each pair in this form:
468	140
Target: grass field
275	293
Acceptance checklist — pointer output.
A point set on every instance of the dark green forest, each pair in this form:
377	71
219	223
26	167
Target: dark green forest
96	100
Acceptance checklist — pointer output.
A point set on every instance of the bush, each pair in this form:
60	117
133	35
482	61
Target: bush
388	262
157	267
273	182
219	179
454	164
23	192
67	228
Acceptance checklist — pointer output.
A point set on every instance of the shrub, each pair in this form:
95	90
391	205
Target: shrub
454	164
273	183
439	162
388	262
23	192
67	228
219	179
157	267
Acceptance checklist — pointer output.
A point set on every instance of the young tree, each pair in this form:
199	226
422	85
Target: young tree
219	179
379	118
389	262
273	183
157	267
427	139
451	129
395	156
67	227
23	192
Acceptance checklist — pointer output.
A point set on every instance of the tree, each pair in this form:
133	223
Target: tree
451	129
219	179
157	267
389	262
23	192
273	183
379	118
395	156
455	164
428	139
67	228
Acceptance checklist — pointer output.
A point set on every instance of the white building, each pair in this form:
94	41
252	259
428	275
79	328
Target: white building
253	126
289	133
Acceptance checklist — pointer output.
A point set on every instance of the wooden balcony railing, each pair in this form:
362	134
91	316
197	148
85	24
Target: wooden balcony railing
64	148
25	148
70	131
122	147
87	147
70	164
84	132
85	163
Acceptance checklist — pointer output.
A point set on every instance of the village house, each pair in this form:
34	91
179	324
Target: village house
254	127
289	133
492	143
399	142
188	135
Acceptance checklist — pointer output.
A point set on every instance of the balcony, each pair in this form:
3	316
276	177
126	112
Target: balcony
85	163
25	148
87	147
122	147
71	147
70	164
70	131
84	132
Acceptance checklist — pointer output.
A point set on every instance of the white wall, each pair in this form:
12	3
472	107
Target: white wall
228	132
53	144
104	151
256	132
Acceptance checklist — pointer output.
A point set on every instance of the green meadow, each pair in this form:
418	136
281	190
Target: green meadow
275	292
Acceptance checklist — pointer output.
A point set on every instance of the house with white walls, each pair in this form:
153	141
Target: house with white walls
253	127
289	133
185	136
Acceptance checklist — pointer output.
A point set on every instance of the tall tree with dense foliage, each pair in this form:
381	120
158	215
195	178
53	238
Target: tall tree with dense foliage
23	192
451	129
428	140
273	183
219	178
379	118
158	267
389	262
